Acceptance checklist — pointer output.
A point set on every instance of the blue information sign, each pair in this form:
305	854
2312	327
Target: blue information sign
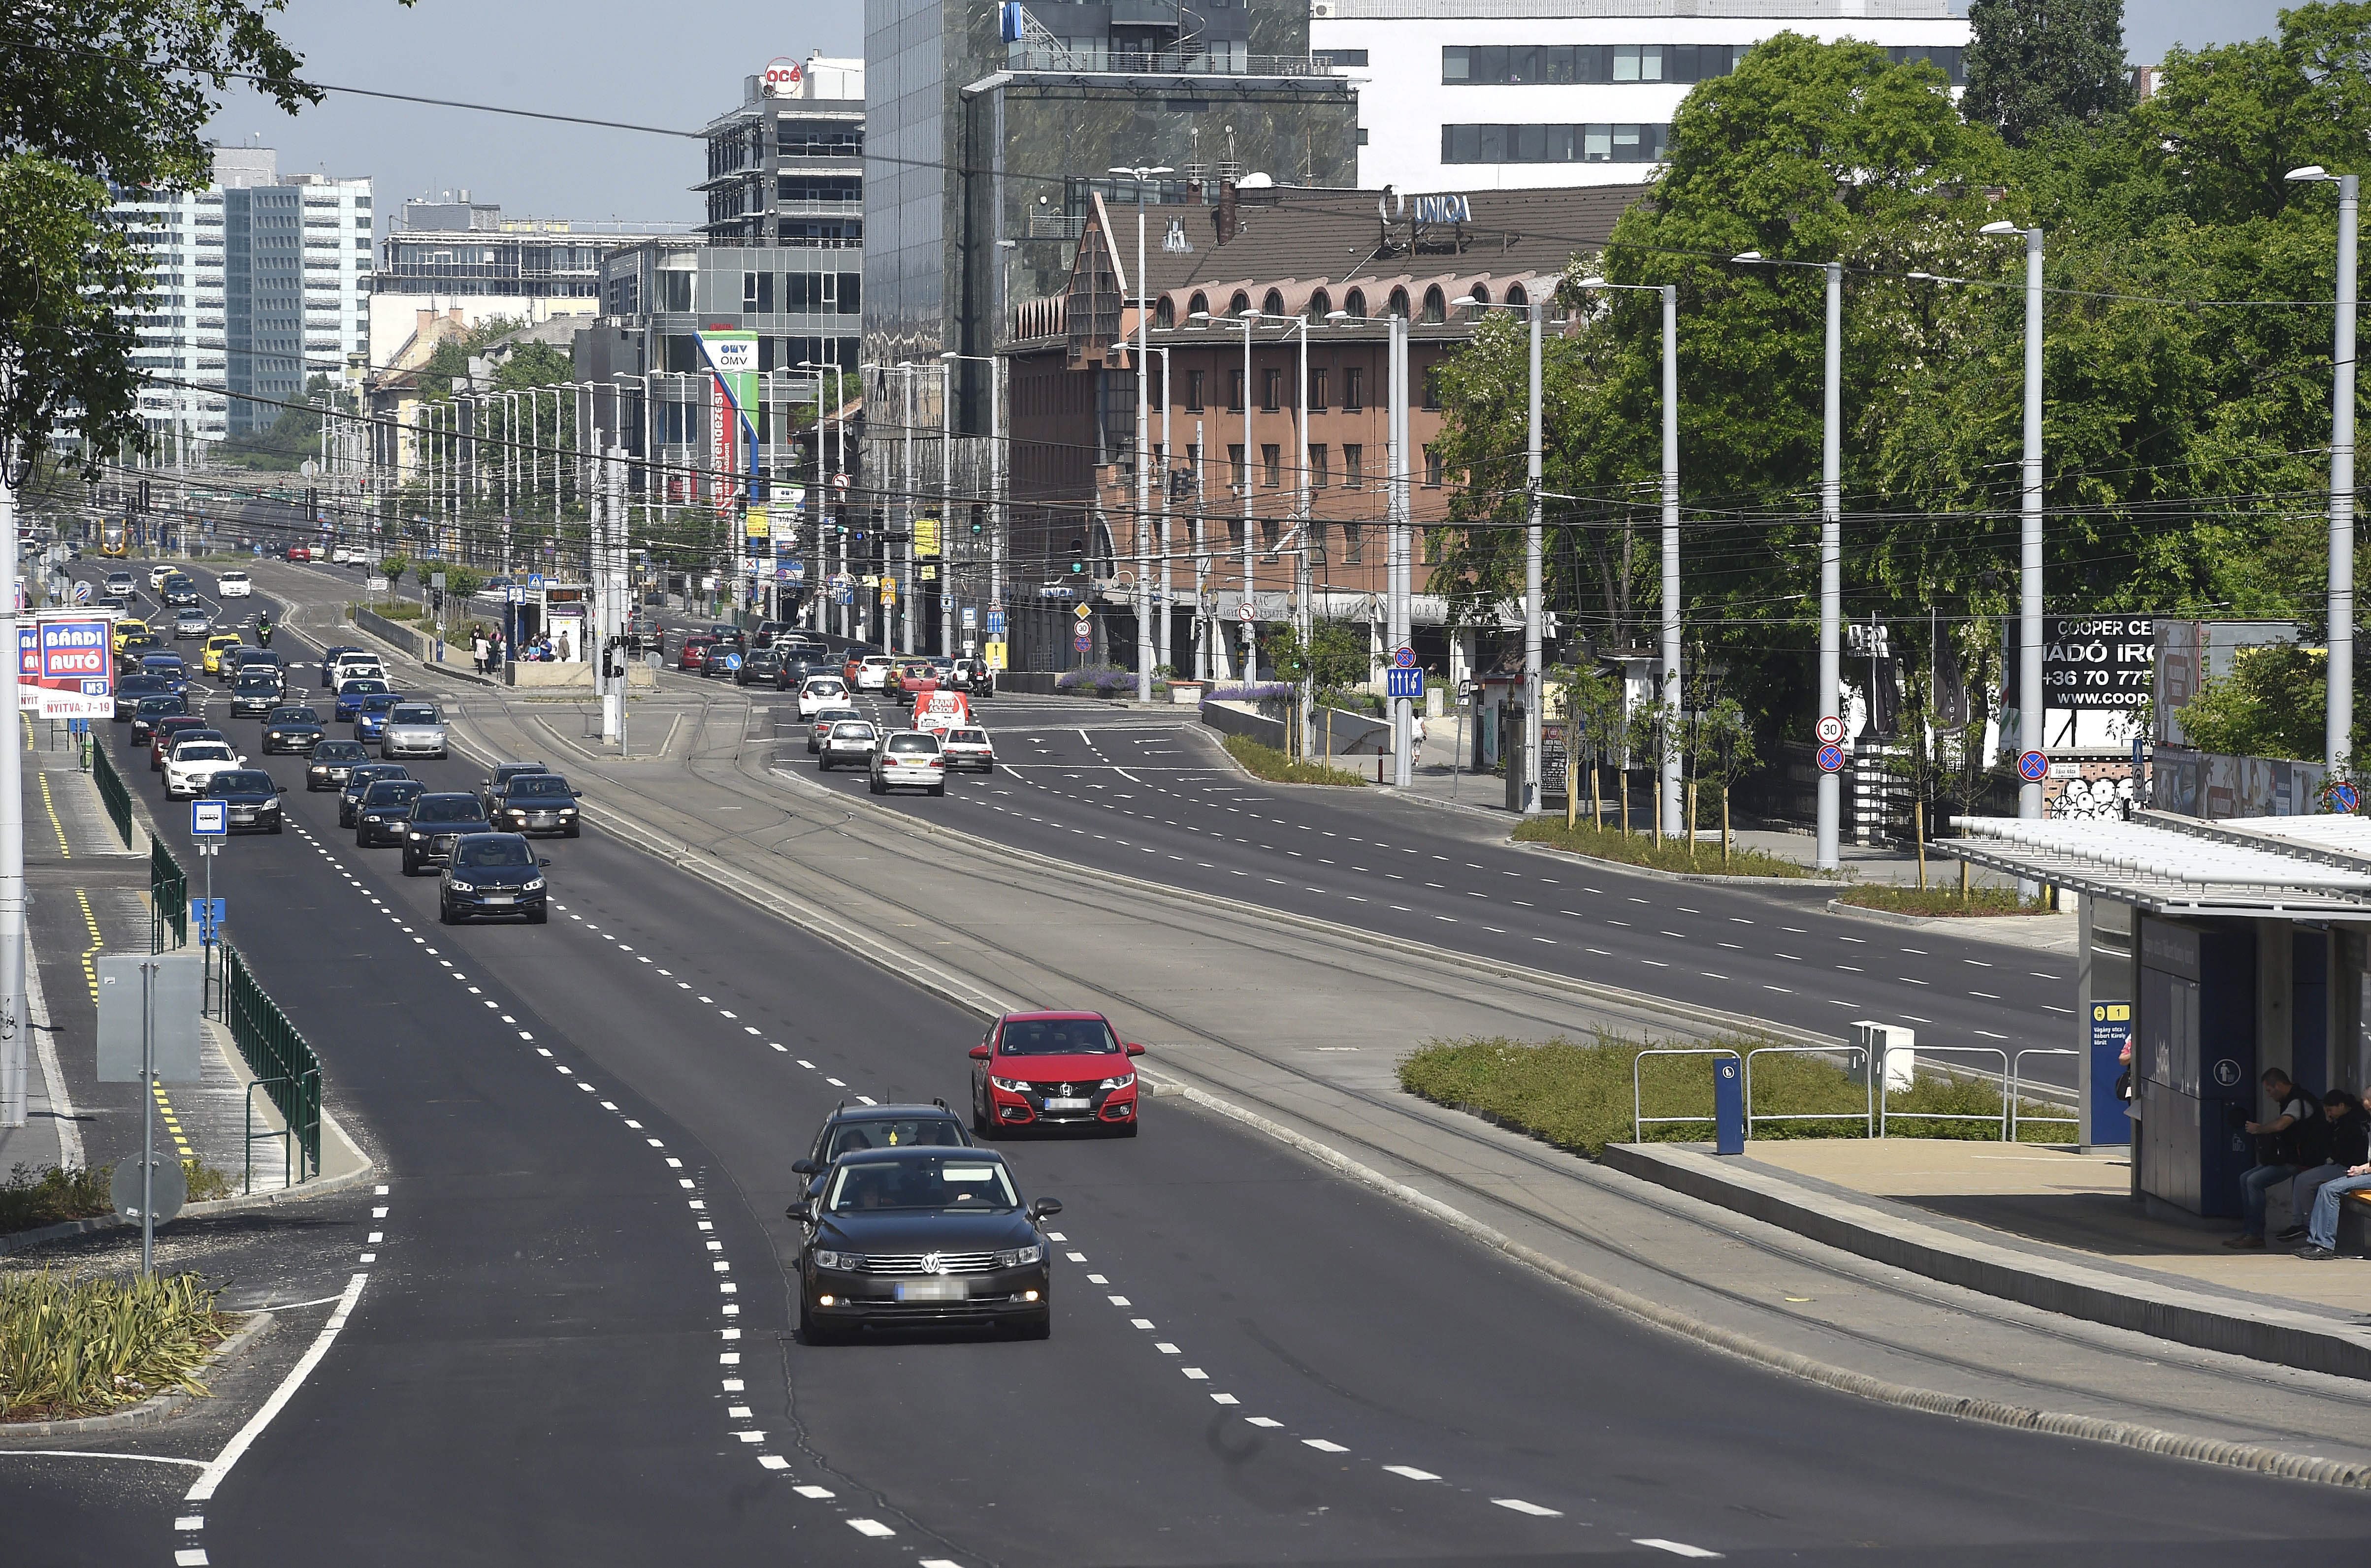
209	818
1403	682
995	623
2112	1030
209	914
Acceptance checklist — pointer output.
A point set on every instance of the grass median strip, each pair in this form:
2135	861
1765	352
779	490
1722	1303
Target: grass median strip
1646	850
1577	1094
73	1346
1266	762
1942	902
31	1198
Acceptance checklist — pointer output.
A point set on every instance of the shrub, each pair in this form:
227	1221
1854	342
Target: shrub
1646	850
72	1347
31	1198
1266	762
1940	901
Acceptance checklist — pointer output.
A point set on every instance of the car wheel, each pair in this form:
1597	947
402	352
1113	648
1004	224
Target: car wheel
813	1333
938	789
877	786
538	916
276	826
823	766
1041	1329
1127	1129
411	866
575	830
978	1122
443	913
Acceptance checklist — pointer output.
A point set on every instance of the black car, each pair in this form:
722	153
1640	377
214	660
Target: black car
535	802
438	821
855	1126
254	798
763	667
235	661
132	688
925	1235
727	636
259	691
383	815
179	592
148	710
333	763
295	730
361	778
493	874
504	772
798	663
722	663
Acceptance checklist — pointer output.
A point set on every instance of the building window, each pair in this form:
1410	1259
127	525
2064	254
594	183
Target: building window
1270	530
1397	304
1272	303
1553	143
1317	391
1272	461
1317	467
1235	476
1354	304
1436	306
1432	388
1354	466
1354	542
1431	469
1354	391
1235	391
1341	57
1271	386
1193	391
1165	313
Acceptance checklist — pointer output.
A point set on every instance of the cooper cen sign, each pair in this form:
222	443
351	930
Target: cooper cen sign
2098	662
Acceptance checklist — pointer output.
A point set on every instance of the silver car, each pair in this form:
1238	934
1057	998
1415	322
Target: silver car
192	623
849	740
413	729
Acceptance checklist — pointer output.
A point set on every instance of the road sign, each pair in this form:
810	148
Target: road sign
995	621
126	1010
2033	767
970	616
1246	613
1080	611
209	914
1831	730
168	1185
2344	797
1403	658
1403	682
209	818
1831	759
1082	643
535	578
82	593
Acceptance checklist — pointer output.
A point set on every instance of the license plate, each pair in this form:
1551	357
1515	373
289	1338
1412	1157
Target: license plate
933	1290
500	898
1053	1104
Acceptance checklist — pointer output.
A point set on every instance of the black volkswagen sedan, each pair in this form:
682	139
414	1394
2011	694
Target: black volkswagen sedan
439	821
296	729
383	815
535	802
333	762
491	874
923	1235
254	798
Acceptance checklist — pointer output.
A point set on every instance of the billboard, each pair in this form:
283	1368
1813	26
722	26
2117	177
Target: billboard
2098	662
732	411
66	664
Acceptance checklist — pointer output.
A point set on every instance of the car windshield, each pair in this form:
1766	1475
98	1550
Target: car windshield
496	852
967	737
539	784
232	577
833	715
294	716
241	781
409	714
906	743
393	792
154	705
445	808
258	680
852	732
949	1181
1058	1037
826	688
893	1132
338	751
379	702
202	751
362	686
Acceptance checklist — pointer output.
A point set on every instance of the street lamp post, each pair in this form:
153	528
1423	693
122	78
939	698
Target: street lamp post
1143	175
2031	699
995	485
2338	721
1826	696
1249	612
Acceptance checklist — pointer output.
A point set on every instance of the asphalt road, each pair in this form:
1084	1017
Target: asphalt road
1250	1362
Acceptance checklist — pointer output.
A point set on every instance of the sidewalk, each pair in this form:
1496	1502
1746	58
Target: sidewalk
2043	1227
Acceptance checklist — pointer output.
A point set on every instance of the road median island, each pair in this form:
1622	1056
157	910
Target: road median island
73	1346
1644	851
1269	764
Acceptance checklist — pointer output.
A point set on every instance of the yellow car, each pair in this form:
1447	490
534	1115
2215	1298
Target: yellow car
128	629
218	645
157	576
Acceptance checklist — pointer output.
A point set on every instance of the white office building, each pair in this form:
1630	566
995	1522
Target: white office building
260	281
1471	94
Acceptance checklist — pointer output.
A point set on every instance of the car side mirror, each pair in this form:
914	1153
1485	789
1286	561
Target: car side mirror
543	862
801	1209
282	789
805	1168
980	1053
578	793
1133	1050
1044	1209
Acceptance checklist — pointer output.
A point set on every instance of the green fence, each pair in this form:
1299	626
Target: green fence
283	1064
168	898
111	786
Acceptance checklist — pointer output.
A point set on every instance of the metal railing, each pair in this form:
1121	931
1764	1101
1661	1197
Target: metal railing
2016	1072
1877	1073
278	1055
112	792
1869	1110
168	898
1639	1121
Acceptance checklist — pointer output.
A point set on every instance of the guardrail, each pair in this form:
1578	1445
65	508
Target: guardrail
283	1064
1877	1072
168	898
1638	1121
116	799
1869	1110
2017	1070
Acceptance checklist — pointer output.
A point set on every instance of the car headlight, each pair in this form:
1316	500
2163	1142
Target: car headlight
1120	1083
1021	1257
533	885
415	833
459	886
1009	1086
846	1262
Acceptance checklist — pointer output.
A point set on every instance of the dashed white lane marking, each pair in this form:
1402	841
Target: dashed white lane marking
1322	1447
1520	1506
873	1529
1677	1548
1411	1473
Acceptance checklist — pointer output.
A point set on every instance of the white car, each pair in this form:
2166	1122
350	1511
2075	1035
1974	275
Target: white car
909	759
355	666
965	747
193	764
819	692
159	575
930	721
851	740
413	728
873	675
233	586
119	585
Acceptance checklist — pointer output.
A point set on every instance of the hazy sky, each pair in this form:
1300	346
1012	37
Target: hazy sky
650	66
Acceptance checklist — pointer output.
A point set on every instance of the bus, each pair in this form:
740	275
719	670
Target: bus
111	540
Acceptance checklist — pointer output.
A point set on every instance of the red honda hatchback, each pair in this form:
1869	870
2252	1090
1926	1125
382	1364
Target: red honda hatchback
1053	1069
693	655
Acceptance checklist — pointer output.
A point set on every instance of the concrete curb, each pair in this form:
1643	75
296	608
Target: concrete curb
148	1412
2127	1434
2279	1335
1813	883
1914	922
319	1187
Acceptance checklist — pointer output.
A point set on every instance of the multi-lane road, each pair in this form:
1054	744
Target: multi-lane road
565	1327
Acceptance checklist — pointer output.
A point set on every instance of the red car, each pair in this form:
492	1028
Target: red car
693	655
1053	1069
298	552
162	733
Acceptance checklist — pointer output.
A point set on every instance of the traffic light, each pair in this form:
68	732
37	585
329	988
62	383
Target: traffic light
977	527
143	496
312	504
1078	557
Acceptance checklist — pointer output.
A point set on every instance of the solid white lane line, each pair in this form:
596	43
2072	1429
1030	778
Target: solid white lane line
233	1451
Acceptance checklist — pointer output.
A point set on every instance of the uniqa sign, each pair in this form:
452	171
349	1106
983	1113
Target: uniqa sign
1443	210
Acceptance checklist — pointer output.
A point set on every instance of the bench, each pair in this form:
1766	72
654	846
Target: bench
2354	1224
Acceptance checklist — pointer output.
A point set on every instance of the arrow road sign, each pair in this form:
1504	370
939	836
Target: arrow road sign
1403	682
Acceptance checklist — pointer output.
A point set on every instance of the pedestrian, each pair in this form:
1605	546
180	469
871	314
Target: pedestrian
2323	1227
2278	1150
481	650
1415	738
2346	1142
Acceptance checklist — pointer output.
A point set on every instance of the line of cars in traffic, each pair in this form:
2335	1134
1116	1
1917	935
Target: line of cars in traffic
941	736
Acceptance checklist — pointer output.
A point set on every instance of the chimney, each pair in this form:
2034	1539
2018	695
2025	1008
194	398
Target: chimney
1226	214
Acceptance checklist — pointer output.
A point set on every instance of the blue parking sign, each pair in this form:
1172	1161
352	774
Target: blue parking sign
208	914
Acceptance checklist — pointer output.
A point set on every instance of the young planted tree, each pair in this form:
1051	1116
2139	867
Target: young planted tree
1653	734
1593	712
1720	749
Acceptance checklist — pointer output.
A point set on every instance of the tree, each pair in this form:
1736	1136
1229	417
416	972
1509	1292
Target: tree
1720	747
1594	709
98	96
2036	67
2270	703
